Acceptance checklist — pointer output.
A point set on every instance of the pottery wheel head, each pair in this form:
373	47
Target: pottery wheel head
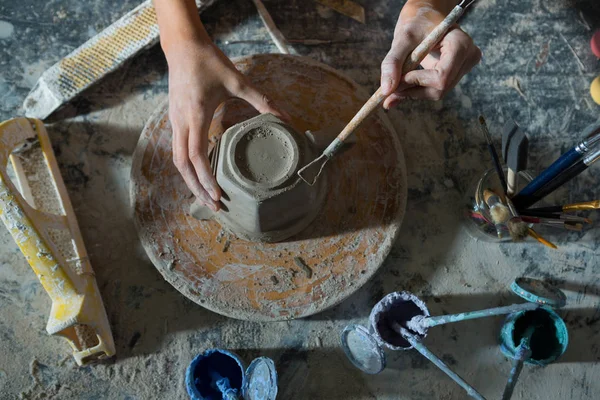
266	155
247	275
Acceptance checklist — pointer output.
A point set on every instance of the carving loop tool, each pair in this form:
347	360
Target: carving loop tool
592	134
522	202
586	205
310	173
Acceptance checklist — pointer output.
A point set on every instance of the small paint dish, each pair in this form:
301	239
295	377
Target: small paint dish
219	374
548	342
396	308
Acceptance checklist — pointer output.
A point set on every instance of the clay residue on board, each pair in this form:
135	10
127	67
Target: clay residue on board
348	240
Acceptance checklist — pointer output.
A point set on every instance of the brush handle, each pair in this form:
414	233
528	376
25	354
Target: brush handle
523	353
411	63
498	166
549	210
522	202
511	182
421	348
558	166
540	239
428	322
587	205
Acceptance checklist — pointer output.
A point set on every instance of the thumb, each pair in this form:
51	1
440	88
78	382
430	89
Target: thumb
262	102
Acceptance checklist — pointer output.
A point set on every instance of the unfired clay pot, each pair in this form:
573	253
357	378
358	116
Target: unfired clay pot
255	165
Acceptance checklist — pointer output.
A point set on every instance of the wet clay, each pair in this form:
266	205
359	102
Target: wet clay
263	156
263	199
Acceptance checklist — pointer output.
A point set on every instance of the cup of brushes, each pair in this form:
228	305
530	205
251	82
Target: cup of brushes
501	206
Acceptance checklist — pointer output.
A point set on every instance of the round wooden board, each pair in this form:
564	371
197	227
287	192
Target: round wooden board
343	247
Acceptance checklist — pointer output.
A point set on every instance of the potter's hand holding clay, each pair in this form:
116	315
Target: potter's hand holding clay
200	78
455	55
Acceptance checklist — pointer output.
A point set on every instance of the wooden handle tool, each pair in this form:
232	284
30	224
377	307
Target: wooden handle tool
310	173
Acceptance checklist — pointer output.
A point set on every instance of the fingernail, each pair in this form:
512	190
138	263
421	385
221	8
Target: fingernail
213	194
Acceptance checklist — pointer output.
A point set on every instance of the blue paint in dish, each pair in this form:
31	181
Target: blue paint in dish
215	375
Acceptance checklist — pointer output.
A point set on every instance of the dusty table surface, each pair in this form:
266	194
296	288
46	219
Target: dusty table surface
537	70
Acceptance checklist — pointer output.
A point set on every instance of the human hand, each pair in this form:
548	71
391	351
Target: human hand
200	78
455	55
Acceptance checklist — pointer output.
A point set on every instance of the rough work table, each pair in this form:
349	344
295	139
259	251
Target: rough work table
537	70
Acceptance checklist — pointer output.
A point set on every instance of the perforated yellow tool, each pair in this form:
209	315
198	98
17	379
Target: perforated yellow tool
41	220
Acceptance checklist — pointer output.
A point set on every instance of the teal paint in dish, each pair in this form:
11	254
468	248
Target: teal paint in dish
548	342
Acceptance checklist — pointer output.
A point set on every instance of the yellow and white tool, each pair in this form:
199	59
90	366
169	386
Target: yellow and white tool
41	220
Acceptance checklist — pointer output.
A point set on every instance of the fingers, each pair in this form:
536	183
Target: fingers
260	101
458	55
391	67
183	164
198	157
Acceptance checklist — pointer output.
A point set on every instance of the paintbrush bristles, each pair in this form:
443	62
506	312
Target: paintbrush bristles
518	229
498	210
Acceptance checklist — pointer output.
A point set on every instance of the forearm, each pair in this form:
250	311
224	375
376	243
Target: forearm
179	25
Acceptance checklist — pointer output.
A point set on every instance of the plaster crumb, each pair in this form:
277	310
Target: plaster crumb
300	262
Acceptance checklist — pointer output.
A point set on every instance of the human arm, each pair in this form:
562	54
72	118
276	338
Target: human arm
200	78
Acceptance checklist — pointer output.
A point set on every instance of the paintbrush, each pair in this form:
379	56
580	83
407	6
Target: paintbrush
523	353
522	202
570	225
586	205
563	217
517	229
499	212
421	348
310	172
540	239
592	134
493	153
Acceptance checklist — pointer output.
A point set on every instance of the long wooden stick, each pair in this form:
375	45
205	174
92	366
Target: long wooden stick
410	64
280	40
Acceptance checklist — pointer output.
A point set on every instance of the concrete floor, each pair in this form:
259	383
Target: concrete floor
538	47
